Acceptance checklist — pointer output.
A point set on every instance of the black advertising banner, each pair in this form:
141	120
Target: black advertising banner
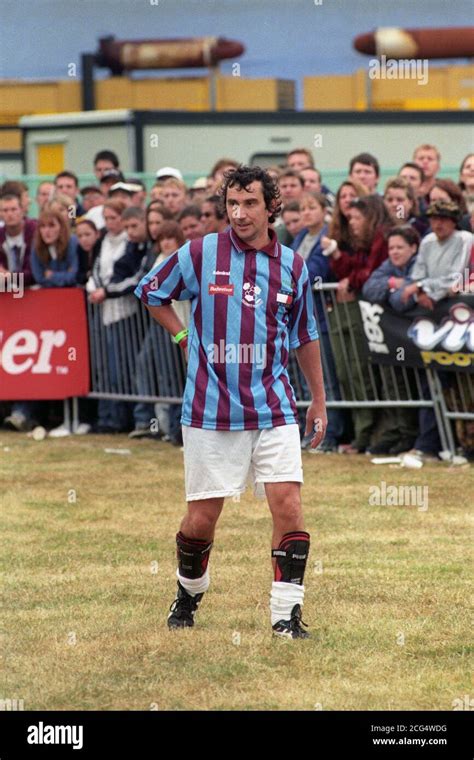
440	339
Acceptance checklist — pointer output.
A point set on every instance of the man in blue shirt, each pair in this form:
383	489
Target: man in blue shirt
251	303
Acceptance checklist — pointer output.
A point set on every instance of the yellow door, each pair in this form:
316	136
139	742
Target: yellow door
50	158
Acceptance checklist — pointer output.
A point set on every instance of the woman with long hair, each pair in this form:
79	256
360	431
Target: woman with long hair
339	230
156	214
54	258
89	240
368	222
54	264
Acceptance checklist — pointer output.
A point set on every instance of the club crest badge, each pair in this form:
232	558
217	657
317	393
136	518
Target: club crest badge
251	295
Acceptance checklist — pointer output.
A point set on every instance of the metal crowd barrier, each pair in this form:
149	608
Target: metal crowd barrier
456	404
134	359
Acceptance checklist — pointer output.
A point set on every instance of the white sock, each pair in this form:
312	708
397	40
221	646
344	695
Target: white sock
283	598
195	585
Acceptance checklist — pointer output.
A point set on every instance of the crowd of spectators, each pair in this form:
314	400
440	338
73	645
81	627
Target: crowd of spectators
407	243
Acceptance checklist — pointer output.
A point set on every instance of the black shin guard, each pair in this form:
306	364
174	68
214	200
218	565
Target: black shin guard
291	557
193	556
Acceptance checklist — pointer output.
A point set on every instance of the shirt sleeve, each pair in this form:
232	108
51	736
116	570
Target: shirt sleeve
302	323
376	289
164	283
419	269
438	287
377	255
395	298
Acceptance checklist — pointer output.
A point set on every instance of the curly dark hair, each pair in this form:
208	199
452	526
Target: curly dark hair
407	232
242	177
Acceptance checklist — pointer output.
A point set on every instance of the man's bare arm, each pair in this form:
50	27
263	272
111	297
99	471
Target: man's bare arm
309	360
167	318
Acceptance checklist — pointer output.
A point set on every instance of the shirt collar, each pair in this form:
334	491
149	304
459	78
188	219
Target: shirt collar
271	249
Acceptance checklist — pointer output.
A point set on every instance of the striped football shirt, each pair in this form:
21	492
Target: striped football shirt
248	308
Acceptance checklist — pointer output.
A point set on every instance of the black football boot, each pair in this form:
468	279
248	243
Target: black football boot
183	608
292	628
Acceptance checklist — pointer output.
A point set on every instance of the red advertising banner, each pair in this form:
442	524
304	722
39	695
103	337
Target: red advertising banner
44	345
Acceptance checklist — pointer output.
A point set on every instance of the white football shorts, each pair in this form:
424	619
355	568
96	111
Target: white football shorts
221	462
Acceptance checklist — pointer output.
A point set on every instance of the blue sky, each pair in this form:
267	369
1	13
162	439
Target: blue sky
283	38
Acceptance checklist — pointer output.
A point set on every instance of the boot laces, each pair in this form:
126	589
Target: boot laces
296	622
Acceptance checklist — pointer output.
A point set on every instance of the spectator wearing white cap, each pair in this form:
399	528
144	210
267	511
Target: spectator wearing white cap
139	197
166	172
199	191
125	191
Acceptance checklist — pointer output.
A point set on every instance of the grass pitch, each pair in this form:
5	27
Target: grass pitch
88	558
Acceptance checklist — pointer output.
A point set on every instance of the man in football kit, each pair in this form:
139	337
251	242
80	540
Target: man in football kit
251	303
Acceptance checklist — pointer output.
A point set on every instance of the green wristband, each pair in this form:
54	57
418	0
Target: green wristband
179	337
